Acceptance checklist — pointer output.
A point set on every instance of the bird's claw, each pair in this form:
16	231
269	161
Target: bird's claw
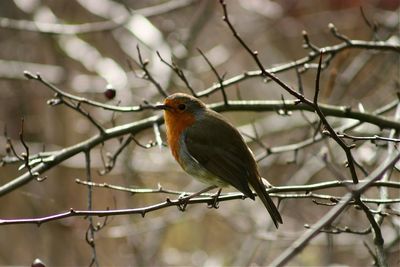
183	195
182	206
214	204
183	201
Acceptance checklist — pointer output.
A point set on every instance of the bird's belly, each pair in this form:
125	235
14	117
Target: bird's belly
194	168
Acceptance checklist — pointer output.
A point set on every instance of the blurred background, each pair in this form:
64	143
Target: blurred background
83	47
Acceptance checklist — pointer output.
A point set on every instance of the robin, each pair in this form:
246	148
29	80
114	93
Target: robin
211	149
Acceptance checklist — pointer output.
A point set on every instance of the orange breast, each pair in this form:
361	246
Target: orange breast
176	123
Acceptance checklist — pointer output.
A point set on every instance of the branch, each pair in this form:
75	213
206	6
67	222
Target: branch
104	213
257	105
60	92
147	75
25	156
250	105
384	194
59	156
297	246
273	191
204	198
219	77
90	233
305	61
340	142
178	71
338	230
293	105
369	138
302	62
111	159
66	153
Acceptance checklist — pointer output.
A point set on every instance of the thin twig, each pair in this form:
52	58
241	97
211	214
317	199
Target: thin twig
305	62
112	159
147	75
219	77
25	156
178	71
339	230
368	138
83	100
308	44
90	233
338	35
343	145
77	107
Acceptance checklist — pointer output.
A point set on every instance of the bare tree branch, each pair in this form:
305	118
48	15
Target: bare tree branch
297	246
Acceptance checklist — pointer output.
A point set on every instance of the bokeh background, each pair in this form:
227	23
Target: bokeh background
239	233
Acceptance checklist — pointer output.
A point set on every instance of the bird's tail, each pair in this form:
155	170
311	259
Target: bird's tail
268	203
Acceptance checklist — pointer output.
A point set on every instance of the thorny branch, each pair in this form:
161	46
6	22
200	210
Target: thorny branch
205	198
274	191
338	230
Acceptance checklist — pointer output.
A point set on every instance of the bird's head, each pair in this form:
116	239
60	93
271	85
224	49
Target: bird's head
182	105
180	112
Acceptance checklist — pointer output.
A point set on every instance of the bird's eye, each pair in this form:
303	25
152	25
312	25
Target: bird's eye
181	106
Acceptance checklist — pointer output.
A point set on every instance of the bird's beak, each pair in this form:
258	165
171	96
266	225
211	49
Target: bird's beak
162	106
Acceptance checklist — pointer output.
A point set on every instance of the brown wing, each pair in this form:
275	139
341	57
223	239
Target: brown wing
220	148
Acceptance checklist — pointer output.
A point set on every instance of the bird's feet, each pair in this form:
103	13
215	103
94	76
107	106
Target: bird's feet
183	201
215	203
184	198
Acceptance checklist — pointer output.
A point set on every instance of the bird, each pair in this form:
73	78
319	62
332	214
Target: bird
211	149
